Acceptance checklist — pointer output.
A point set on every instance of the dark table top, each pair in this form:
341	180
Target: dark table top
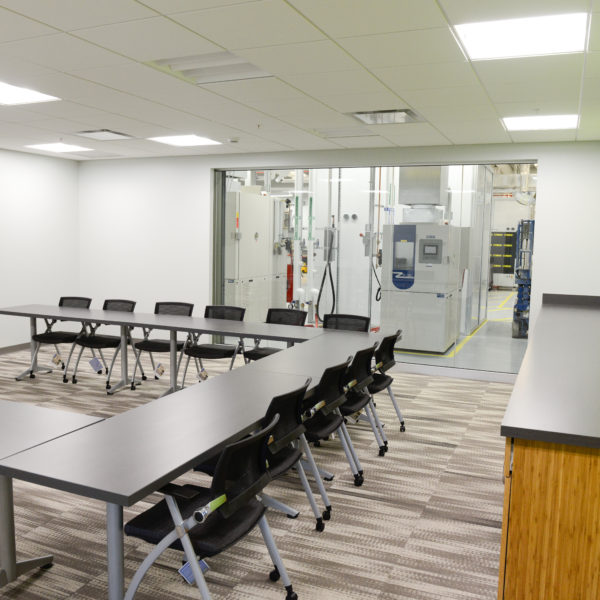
24	426
245	329
124	458
556	397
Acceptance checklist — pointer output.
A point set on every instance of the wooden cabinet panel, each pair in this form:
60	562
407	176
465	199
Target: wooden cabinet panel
553	523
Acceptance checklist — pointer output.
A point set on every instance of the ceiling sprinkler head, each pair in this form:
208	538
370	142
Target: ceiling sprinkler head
233	140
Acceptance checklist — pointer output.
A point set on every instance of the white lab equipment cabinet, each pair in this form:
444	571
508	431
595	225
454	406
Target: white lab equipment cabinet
420	284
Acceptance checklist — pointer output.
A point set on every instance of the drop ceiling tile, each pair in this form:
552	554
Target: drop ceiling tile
17	114
546	107
62	52
149	39
594	41
405	48
339	82
345	18
591	90
589	124
77	14
468	11
171	7
516	92
253	89
451	114
592	64
470	95
15	27
371	141
60	126
349	103
411	134
251	25
531	71
485	131
565	135
319	119
64	110
307	57
277	107
420	77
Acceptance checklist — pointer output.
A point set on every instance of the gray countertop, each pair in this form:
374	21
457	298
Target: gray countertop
556	397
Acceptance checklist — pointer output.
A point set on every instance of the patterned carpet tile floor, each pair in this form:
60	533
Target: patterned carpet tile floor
424	526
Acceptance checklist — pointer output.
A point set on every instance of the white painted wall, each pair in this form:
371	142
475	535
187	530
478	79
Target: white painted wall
145	231
38	235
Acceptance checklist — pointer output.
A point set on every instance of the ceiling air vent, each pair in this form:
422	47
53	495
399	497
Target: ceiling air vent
215	67
387	117
104	135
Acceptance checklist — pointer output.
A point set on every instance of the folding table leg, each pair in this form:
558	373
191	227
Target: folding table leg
125	381
114	550
34	348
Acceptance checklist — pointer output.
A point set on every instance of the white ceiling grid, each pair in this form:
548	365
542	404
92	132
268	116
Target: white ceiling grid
327	59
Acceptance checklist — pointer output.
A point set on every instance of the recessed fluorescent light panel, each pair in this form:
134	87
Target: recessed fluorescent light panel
531	36
59	147
104	135
185	140
12	94
541	122
387	117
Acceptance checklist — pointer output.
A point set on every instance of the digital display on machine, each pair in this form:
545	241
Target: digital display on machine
430	250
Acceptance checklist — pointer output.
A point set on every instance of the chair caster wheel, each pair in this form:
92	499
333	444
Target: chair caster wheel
291	595
317	444
105	371
274	574
320	525
31	375
74	379
402	428
381	450
329	478
108	386
144	378
293	516
358	480
46	567
62	366
133	386
385	444
65	379
156	377
327	513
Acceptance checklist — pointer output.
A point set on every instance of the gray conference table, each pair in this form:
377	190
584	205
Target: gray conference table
170	323
123	459
25	426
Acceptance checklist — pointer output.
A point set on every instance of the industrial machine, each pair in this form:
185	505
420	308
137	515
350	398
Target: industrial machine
420	284
525	231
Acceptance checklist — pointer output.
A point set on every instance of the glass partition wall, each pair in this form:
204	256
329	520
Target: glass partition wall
408	246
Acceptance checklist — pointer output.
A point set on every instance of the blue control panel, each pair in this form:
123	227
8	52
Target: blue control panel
403	264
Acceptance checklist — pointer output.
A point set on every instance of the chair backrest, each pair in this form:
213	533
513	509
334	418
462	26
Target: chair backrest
347	322
289	408
286	316
241	470
75	301
218	311
384	355
360	368
330	389
122	305
181	309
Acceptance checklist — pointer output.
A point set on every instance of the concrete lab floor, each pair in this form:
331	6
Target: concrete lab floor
490	348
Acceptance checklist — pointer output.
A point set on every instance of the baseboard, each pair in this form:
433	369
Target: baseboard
15	348
493	376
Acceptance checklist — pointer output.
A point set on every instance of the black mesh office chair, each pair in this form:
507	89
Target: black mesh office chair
280	316
54	337
99	342
182	309
346	322
205	521
214	351
385	360
361	371
322	408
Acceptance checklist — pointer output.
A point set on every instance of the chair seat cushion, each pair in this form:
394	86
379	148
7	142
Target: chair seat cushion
156	345
211	351
260	352
380	382
55	337
99	341
355	401
208	538
321	427
283	461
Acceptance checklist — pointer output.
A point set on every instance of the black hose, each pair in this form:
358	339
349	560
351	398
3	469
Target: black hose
327	268
378	292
